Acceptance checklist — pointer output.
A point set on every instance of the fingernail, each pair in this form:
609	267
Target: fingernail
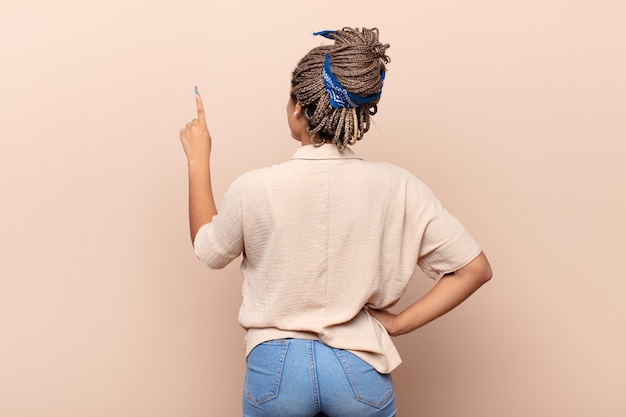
196	90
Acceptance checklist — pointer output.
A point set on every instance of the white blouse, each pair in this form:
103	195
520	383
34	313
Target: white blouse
324	234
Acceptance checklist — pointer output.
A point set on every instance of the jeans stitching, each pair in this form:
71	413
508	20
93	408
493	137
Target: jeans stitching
355	385
276	385
313	368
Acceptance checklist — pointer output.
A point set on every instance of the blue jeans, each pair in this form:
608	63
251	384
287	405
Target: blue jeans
306	378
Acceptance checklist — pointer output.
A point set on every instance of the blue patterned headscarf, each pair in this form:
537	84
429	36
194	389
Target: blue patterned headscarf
339	96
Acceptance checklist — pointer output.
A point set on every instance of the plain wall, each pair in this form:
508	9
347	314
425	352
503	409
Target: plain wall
513	112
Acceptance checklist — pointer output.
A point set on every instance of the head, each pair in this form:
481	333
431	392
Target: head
357	62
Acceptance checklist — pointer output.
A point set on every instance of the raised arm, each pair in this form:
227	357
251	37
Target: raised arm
450	291
196	142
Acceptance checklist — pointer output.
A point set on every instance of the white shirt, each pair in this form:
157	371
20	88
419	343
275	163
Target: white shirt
324	234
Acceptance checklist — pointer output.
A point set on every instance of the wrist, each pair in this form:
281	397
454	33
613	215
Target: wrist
198	163
396	327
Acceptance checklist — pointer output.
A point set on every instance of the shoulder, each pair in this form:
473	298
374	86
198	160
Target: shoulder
391	172
392	169
257	177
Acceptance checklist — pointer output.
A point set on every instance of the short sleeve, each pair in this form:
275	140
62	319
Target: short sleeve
446	245
219	242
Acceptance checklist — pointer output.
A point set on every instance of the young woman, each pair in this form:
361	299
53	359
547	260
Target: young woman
329	242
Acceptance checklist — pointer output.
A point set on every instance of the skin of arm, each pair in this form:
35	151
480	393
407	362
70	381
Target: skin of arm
196	141
450	291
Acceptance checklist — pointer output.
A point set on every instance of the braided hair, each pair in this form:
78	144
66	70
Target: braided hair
358	60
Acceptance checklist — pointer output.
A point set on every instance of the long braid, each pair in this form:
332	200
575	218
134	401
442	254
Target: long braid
357	59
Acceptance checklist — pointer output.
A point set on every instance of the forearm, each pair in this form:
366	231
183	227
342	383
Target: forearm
201	202
450	291
196	141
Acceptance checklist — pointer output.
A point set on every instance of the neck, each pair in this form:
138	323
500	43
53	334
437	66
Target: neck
305	140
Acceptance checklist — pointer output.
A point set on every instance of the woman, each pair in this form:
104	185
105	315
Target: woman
329	242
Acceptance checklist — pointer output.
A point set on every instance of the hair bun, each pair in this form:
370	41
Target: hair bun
378	50
358	60
355	62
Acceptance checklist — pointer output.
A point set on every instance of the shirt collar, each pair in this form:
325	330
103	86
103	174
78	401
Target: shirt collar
325	151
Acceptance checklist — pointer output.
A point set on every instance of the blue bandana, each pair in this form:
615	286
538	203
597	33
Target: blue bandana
339	96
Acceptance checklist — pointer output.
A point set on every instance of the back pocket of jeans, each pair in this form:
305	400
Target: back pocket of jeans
369	386
264	370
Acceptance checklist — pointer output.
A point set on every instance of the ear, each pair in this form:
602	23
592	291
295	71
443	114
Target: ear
299	108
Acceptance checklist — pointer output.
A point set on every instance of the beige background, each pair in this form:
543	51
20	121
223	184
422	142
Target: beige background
512	111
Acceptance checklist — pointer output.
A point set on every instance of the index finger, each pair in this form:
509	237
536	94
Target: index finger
200	107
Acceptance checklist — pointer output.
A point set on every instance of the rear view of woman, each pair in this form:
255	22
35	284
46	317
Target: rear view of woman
329	242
